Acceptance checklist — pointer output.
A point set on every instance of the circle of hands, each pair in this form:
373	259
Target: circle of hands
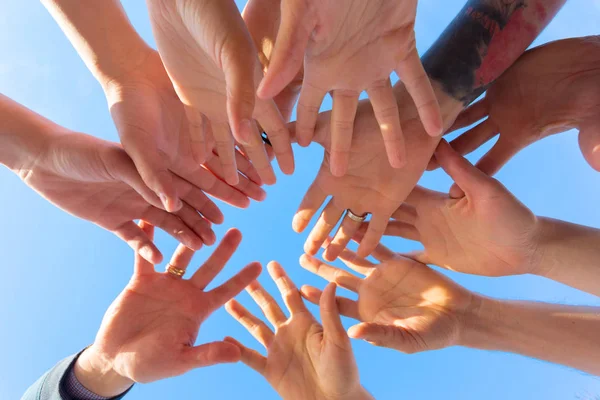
190	120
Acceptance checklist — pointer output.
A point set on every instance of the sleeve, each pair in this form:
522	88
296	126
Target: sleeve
52	385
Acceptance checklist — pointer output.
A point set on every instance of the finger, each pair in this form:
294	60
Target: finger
311	202
250	357
497	157
373	236
346	307
174	226
245	186
200	226
352	261
210	354
415	79
382	253
273	124
333	330
341	239
205	180
143	262
267	304
307	112
475	112
288	52
135	237
385	107
343	113
253	325
419	256
468	178
221	294
196	198
331	274
181	258
254	149
589	143
246	168
419	196
406	213
195	121
392	337
327	221
289	292
217	260
474	138
225	148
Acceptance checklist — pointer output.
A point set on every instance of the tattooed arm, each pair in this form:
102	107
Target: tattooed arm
482	41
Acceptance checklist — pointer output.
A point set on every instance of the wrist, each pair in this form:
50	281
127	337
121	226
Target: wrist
481	323
96	373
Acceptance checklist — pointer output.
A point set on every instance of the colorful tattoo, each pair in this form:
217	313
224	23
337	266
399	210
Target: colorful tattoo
484	40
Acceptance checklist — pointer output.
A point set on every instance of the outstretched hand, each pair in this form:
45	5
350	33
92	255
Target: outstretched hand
149	331
304	359
371	184
402	304
479	228
550	89
214	67
347	48
95	180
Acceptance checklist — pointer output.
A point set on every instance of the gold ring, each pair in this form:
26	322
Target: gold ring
176	272
356	218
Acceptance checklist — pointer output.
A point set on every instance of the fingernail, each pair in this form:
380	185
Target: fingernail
164	200
245	131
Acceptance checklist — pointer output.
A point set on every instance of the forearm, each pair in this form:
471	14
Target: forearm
102	35
97	375
482	41
566	335
23	135
569	253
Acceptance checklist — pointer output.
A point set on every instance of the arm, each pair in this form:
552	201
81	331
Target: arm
569	253
566	335
102	35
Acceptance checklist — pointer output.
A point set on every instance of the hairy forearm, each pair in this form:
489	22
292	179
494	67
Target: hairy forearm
102	35
566	335
23	135
483	40
98	376
569	253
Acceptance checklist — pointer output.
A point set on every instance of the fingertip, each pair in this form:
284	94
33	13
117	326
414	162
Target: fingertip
355	331
151	254
298	224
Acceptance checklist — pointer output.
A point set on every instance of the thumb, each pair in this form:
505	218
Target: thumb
290	45
467	177
380	335
589	143
210	354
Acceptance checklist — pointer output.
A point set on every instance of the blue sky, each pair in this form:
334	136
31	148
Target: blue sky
62	273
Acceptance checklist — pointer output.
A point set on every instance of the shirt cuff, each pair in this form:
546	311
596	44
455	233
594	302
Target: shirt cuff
73	388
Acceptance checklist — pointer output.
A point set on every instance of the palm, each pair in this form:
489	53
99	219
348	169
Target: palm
405	305
213	64
485	231
158	135
149	331
371	185
549	90
304	359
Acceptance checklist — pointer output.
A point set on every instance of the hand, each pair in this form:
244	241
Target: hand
159	137
304	359
96	180
479	229
347	48
550	89
149	331
370	186
213	65
402	304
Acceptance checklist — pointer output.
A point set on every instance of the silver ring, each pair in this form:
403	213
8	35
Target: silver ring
356	218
